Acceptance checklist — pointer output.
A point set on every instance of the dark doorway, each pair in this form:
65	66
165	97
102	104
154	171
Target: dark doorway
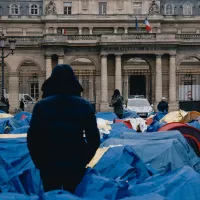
137	85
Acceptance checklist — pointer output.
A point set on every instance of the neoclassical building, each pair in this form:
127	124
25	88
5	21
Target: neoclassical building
106	43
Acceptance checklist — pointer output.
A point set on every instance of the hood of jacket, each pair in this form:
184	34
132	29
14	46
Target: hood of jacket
62	81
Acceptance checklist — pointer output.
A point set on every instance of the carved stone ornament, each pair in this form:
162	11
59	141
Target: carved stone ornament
154	9
85	4
120	4
50	8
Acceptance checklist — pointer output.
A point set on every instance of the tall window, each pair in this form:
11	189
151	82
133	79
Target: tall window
187	9
34	87
14	9
169	9
34	10
68	8
102	8
137	7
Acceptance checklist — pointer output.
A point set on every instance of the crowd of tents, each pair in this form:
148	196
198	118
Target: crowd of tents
152	159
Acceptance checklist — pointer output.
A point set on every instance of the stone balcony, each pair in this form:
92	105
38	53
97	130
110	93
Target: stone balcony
136	38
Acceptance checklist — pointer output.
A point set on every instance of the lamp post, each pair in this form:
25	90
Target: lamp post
12	48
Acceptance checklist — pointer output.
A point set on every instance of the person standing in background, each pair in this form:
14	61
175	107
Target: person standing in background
163	105
117	103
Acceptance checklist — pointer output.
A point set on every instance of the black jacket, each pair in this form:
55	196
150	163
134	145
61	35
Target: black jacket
163	106
117	103
58	124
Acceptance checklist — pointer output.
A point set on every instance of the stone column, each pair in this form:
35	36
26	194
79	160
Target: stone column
90	30
80	30
91	89
104	84
173	105
46	30
126	87
115	29
41	81
125	30
55	30
4	31
48	66
13	91
158	78
118	73
24	32
60	59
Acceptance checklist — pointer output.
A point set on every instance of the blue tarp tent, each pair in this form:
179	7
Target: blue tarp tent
164	151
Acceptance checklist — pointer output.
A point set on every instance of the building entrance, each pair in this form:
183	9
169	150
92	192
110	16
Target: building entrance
137	85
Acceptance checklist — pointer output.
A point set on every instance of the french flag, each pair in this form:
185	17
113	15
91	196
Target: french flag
64	31
148	27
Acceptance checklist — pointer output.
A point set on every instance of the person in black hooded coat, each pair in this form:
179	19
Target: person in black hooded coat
63	135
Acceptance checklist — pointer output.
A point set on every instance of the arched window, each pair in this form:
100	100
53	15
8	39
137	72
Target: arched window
34	10
187	9
14	9
169	9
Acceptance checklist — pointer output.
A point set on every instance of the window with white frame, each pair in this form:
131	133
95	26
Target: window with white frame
169	9
34	9
187	9
68	8
102	8
137	8
14	9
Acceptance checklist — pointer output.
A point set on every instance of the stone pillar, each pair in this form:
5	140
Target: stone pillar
80	30
179	31
91	89
46	30
48	66
4	31
13	91
197	30
173	105
41	81
125	30
126	87
118	73
55	30
115	29
60	59
158	78
23	32
90	30
104	84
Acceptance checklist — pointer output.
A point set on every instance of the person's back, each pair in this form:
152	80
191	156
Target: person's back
56	135
163	105
63	119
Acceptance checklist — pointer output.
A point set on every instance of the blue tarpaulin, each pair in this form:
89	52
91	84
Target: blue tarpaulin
165	151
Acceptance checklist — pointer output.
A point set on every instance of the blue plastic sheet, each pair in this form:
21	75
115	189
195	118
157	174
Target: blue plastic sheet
118	128
22	115
154	126
98	187
195	124
23	129
17	171
181	184
129	114
164	151
110	116
159	116
122	163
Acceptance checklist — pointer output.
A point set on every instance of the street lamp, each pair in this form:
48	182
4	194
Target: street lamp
12	48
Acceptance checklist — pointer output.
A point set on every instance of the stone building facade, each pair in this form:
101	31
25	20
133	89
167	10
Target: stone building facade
100	40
